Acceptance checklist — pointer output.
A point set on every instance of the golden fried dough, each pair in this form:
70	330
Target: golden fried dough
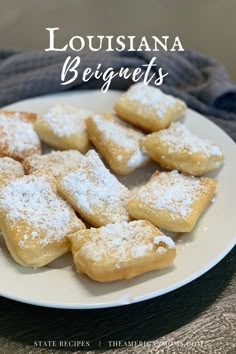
35	221
148	108
17	136
94	192
176	148
121	251
119	144
172	201
63	127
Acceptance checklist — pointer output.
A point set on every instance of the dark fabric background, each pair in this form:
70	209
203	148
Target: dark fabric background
200	81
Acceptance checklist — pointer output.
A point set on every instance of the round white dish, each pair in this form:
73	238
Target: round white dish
58	285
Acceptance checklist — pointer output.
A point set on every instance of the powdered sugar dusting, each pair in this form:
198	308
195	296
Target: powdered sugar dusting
57	162
93	187
136	241
113	130
31	199
66	120
173	192
167	240
10	168
137	159
17	136
151	97
141	250
161	250
179	139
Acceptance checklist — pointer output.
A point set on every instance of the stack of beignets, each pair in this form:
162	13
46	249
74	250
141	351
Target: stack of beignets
41	212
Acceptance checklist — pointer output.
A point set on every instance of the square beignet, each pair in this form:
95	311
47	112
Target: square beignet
35	221
94	192
149	108
64	127
56	163
117	143
172	201
176	148
121	251
10	169
17	136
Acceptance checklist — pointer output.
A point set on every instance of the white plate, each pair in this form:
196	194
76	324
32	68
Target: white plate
58	285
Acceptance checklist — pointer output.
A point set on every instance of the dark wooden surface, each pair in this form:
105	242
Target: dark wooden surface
197	318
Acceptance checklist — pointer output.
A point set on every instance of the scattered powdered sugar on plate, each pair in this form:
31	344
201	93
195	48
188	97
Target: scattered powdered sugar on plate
66	120
136	240
113	130
17	136
151	97
183	245
179	139
94	189
173	192
32	200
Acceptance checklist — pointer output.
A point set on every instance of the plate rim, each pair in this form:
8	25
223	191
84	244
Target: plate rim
103	305
141	298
